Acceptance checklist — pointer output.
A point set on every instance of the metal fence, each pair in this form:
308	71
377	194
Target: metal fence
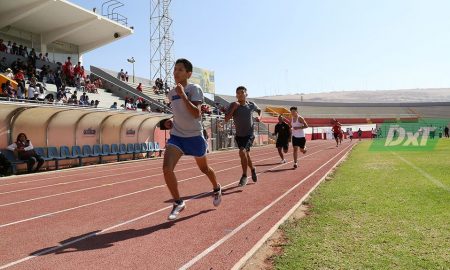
221	134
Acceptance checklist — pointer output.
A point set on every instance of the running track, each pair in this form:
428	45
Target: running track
114	216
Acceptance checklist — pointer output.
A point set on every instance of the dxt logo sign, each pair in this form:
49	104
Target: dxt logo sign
421	135
398	136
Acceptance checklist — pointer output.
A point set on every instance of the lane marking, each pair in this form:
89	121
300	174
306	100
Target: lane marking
103	185
240	227
428	176
99	177
62	173
120	196
59	246
275	227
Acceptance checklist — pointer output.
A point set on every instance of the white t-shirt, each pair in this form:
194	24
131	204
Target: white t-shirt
184	123
298	133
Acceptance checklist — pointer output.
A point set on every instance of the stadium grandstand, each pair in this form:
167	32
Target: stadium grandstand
74	116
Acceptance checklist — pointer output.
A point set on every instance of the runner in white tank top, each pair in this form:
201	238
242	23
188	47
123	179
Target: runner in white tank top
298	125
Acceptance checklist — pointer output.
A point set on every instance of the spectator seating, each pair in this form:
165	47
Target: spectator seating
14	161
52	153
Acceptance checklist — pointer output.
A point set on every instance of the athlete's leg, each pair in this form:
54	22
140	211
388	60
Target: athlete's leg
171	157
202	164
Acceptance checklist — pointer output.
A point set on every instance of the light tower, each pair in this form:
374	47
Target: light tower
161	42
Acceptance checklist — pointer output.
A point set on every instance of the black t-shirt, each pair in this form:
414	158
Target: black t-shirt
283	130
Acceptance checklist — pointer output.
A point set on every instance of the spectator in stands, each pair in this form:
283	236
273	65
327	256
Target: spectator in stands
73	99
25	51
49	98
98	83
5	165
3	47
155	90
32	88
50	77
126	76
8	90
83	99
9	74
159	83
77	70
15	49
58	80
90	87
45	58
120	75
96	103
9	47
32	57
25	151
139	87
114	106
3	64
40	92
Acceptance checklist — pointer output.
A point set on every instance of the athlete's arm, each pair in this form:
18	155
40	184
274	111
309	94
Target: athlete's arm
229	114
304	122
192	106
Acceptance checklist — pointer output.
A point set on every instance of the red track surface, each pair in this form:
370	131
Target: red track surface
114	216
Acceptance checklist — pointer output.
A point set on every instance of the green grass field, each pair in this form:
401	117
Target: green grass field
376	212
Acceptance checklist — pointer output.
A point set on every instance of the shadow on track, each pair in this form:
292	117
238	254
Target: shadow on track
93	240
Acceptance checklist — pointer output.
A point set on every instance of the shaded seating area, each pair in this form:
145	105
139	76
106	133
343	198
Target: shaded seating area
87	154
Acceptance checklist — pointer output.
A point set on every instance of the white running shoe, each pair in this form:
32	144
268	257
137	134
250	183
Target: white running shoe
177	208
217	196
282	161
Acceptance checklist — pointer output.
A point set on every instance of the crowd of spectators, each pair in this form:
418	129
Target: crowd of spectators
31	81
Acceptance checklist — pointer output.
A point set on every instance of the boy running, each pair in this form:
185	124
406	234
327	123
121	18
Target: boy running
186	135
283	131
336	131
350	134
241	111
298	125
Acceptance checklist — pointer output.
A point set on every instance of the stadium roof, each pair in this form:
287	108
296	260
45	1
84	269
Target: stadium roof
59	20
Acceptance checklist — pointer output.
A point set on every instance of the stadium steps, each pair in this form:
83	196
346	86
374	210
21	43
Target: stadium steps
122	89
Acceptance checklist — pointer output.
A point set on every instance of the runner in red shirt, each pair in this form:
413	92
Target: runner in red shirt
336	130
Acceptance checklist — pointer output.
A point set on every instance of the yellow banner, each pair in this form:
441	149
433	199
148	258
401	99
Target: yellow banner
204	78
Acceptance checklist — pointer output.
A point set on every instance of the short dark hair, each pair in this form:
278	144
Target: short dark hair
293	108
241	88
186	63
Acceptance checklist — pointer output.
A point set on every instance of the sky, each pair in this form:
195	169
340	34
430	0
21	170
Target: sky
295	46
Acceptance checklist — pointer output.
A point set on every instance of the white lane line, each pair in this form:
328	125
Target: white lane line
428	176
89	169
275	227
113	198
100	186
59	246
98	177
248	221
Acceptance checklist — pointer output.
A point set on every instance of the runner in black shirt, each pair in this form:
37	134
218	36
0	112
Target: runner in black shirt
283	130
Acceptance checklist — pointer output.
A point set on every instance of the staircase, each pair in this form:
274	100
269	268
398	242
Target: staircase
122	89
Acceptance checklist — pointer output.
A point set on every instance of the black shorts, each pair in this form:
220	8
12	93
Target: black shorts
244	142
282	144
336	135
300	142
